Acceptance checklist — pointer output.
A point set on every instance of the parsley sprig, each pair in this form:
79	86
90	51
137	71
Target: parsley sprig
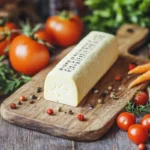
138	110
141	109
9	79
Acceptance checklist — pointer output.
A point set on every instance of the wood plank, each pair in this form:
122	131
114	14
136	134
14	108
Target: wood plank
99	119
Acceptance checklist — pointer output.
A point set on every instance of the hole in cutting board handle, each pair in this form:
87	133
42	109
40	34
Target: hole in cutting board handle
130	30
130	37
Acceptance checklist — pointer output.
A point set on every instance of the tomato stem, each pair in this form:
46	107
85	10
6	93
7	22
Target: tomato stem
66	14
7	33
3	37
2	21
43	42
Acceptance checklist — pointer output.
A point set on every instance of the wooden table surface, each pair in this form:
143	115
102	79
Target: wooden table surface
17	138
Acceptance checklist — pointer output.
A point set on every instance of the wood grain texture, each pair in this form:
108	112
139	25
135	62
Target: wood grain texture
98	120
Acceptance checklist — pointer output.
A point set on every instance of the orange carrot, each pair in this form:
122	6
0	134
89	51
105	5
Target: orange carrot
140	69
140	79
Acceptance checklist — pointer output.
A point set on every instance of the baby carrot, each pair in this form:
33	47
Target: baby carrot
140	79
140	69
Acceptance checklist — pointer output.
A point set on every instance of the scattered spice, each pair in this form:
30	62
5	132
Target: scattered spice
19	103
70	112
65	112
131	66
80	117
33	97
22	98
50	111
119	88
38	98
114	90
59	109
105	93
100	101
94	90
90	106
32	102
128	76
117	77
39	89
113	95
13	106
110	88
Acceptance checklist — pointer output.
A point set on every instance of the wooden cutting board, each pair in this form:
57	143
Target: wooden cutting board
97	120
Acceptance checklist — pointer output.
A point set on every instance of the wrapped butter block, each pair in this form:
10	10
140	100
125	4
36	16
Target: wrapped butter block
80	70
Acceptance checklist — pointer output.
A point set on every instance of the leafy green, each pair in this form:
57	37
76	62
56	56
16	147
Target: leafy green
28	30
9	79
138	110
108	15
141	109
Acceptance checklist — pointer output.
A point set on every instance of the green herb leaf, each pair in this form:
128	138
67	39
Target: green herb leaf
9	79
106	15
138	110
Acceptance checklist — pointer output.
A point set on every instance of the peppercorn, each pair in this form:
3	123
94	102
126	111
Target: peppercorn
70	112
38	98
80	117
22	98
100	101
117	77
59	109
13	106
19	103
50	111
33	97
38	89
32	102
110	88
105	93
131	66
90	106
94	90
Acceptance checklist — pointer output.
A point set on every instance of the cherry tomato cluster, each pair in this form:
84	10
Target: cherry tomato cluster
5	36
29	54
137	133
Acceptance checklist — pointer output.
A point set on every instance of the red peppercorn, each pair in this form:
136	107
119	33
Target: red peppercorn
117	77
50	111
80	117
22	98
141	146
131	66
13	106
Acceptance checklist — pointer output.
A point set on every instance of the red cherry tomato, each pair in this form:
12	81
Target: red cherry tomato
146	121
43	35
138	133
141	146
65	31
3	44
141	98
125	120
28	56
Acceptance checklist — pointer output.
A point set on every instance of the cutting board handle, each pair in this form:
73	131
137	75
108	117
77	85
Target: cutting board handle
130	37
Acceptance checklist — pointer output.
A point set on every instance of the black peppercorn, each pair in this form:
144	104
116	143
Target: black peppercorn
39	89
